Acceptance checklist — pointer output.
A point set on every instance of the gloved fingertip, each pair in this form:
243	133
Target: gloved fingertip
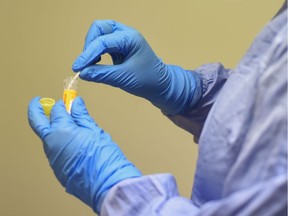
78	106
60	103
76	67
34	104
35	99
79	101
37	118
78	64
59	115
100	73
59	107
84	73
80	114
89	73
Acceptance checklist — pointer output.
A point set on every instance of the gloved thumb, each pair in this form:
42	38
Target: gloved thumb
37	119
108	74
80	114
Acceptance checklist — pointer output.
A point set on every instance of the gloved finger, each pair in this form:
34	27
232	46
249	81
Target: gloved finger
113	75
111	43
37	118
80	114
59	116
99	28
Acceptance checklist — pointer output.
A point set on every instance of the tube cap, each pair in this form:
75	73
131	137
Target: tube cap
47	104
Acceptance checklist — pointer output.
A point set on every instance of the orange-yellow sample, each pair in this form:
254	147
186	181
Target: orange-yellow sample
68	96
70	87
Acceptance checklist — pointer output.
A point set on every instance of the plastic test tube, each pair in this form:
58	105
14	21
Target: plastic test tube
47	104
70	93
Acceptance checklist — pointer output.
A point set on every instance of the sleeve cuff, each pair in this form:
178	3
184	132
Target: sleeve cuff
138	196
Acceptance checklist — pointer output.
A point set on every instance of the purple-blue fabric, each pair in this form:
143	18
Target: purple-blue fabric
240	124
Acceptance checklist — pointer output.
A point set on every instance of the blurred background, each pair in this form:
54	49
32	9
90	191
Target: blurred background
40	40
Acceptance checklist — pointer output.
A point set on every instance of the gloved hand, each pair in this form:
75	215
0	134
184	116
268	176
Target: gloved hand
83	157
136	68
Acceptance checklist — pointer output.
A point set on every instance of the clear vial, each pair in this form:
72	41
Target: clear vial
70	93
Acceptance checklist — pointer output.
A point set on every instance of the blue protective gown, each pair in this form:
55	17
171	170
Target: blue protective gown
240	124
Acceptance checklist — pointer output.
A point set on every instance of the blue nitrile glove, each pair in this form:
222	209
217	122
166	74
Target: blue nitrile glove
136	68
83	157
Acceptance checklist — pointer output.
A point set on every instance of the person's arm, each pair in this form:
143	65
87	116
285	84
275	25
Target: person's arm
157	195
83	156
92	167
256	183
136	69
179	93
213	77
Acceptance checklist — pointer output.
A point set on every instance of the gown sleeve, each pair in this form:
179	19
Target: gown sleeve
256	183
213	76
